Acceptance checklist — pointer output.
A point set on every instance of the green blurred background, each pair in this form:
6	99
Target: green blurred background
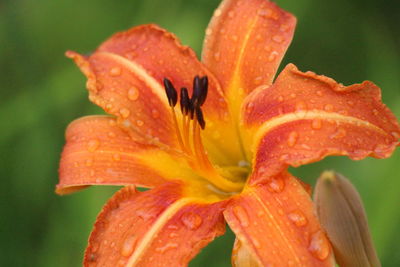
42	91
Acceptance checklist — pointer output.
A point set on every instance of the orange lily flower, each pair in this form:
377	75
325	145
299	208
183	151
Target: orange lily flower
218	149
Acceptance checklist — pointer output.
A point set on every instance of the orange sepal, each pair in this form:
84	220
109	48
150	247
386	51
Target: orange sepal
245	43
159	227
98	151
304	117
275	221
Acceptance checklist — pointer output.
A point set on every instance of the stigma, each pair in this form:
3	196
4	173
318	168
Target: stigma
188	132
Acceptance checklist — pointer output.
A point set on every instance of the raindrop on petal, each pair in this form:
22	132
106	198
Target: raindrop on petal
319	246
116	157
139	123
276	185
92	145
191	220
124	113
316	124
133	94
298	218
167	247
292	139
128	246
155	113
115	71
328	107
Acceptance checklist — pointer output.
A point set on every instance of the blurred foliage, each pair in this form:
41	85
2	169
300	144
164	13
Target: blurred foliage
42	91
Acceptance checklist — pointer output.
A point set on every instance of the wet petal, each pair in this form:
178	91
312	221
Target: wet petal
125	78
244	45
99	152
342	214
160	227
275	221
161	55
304	117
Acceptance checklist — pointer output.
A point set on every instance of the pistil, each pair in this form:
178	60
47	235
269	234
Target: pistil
193	122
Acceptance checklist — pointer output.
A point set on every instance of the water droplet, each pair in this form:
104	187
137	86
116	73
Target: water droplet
280	98
154	113
351	103
276	185
241	215
191	220
231	14
139	123
339	133
173	234
258	80
298	218
208	31
284	27
265	12
116	157
301	105
234	37
128	246
396	135
115	71
111	134
319	93
277	38
328	107
375	112
89	162
133	93
273	56
92	145
292	139
316	124
124	112
167	247
319	246
249	107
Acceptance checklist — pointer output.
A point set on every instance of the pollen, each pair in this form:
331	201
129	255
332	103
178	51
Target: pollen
188	131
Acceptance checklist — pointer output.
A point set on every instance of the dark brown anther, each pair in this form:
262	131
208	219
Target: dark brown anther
172	95
184	101
197	89
204	91
200	117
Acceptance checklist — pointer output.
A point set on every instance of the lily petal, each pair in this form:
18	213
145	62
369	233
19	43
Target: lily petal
276	222
161	55
125	78
304	117
99	152
244	45
159	227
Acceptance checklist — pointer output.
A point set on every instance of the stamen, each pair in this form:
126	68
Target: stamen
193	120
184	101
172	96
171	92
200	118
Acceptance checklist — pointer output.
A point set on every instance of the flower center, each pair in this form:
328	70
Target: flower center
188	133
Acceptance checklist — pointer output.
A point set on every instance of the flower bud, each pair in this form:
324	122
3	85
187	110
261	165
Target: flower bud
342	215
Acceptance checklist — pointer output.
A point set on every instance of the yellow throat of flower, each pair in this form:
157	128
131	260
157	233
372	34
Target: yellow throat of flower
227	180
